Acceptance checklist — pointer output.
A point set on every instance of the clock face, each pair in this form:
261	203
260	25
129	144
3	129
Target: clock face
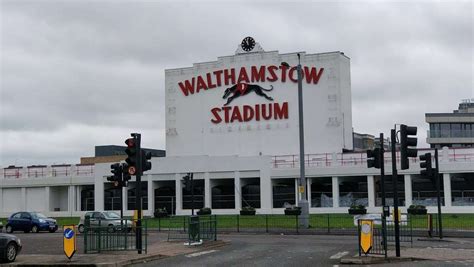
248	44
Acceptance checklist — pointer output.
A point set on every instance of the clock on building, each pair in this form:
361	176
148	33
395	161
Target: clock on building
248	44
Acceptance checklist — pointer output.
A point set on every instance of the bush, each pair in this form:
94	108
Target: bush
247	211
417	210
204	211
160	213
293	210
357	209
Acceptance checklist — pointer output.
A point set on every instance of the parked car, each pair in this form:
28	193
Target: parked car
30	221
108	219
10	246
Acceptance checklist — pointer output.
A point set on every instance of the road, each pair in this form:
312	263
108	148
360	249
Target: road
258	250
269	250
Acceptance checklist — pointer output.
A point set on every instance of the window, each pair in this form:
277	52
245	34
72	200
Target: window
17	216
456	130
25	215
444	130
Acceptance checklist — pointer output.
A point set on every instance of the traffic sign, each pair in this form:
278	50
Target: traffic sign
69	240
366	235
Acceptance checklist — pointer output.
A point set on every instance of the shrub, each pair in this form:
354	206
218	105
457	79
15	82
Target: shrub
204	211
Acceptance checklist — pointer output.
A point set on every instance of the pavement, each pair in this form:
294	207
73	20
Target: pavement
118	258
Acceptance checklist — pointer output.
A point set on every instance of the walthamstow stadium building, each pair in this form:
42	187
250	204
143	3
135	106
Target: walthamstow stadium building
233	123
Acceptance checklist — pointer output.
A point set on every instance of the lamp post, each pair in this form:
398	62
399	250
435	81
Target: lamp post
303	202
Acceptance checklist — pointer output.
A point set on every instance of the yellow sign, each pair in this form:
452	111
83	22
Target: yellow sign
69	240
366	235
399	214
301	188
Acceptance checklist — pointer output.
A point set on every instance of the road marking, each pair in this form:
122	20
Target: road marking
200	253
339	255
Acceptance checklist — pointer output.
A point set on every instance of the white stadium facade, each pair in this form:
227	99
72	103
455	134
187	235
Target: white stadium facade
234	124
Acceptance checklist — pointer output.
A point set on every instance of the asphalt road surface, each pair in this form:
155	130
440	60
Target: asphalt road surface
269	250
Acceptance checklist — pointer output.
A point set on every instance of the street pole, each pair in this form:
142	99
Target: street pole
192	193
138	193
395	194
382	181
438	185
303	202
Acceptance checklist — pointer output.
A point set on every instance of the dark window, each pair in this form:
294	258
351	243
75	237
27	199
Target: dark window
25	215
456	130
445	130
17	216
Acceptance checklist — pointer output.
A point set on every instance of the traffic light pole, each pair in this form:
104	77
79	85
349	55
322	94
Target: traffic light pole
395	193
382	181
438	189
138	194
192	193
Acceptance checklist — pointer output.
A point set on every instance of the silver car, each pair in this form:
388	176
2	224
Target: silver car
108	219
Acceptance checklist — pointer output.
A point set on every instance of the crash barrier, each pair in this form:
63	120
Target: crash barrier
192	228
107	237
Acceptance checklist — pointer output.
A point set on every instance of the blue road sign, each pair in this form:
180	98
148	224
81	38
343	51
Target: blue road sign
68	233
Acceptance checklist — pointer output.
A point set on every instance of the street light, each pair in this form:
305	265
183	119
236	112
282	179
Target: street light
303	202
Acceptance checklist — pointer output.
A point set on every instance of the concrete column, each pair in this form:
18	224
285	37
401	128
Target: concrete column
179	194
23	198
125	198
99	194
78	198
47	190
207	190
151	195
309	181
447	189
371	190
408	190
266	190
71	200
1	200
237	190
335	192
297	194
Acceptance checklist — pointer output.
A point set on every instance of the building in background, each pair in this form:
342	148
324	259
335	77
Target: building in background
454	129
233	123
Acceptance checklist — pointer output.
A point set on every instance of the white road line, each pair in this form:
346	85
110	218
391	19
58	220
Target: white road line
200	253
339	255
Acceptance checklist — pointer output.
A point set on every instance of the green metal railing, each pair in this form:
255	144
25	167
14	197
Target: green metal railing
192	229
105	237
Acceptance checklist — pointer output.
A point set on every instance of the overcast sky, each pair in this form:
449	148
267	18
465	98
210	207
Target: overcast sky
67	69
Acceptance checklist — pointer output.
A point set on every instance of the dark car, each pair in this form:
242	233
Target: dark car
10	246
30	221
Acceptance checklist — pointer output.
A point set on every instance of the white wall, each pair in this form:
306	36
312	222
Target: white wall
327	109
36	199
12	200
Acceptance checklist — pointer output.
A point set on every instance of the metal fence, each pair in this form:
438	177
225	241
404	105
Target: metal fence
103	237
180	228
417	225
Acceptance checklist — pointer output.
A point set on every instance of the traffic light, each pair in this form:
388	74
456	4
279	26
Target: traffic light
126	176
373	158
132	153
425	165
187	182
405	142
116	179
146	164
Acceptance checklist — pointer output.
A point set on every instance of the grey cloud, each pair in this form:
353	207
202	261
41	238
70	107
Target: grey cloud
68	67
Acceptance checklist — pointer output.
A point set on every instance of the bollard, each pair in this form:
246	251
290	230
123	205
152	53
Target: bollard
430	225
